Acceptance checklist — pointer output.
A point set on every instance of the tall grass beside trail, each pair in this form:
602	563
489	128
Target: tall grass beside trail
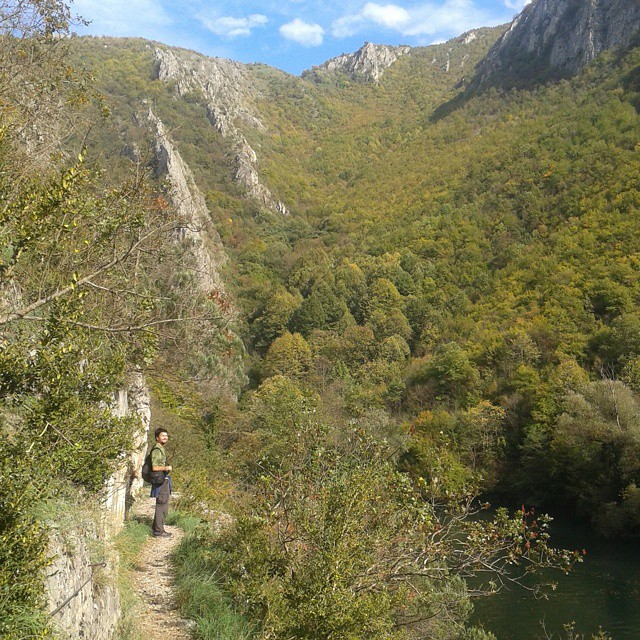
200	595
129	544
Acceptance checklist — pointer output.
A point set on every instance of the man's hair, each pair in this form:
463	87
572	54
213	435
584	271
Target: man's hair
159	430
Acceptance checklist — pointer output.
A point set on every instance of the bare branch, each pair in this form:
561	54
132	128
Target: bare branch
129	328
116	261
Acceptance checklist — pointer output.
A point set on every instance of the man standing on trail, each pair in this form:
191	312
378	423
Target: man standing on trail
161	491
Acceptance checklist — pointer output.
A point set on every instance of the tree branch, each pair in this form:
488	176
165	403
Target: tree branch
129	328
114	262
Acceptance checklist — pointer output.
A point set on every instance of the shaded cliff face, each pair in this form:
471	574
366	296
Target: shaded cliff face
558	38
82	594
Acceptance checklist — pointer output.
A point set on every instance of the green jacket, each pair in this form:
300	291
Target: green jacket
158	456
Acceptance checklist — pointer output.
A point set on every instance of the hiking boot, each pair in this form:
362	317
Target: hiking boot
166	534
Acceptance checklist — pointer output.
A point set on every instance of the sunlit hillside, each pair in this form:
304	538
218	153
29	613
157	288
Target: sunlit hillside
362	305
444	251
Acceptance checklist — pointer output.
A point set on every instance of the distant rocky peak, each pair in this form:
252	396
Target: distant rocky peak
368	63
225	85
469	37
558	38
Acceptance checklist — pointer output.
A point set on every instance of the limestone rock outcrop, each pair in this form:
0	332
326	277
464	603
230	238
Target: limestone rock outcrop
224	84
368	63
185	195
81	583
123	486
558	38
81	589
229	96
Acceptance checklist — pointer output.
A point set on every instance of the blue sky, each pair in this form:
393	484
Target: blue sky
291	35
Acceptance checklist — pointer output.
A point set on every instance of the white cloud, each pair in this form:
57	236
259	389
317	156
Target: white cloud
388	15
308	35
347	26
517	5
231	27
429	18
454	16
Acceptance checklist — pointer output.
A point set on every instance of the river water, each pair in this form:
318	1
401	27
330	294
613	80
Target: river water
603	591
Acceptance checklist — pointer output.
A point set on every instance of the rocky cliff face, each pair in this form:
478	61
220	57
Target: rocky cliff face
229	96
558	38
188	199
81	583
122	487
368	63
81	588
224	84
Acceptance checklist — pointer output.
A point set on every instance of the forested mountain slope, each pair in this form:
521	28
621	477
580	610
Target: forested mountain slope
481	261
436	286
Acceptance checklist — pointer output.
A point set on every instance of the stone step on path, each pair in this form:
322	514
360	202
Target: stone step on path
157	615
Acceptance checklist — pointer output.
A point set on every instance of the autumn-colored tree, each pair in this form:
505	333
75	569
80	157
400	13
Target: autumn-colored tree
288	355
340	544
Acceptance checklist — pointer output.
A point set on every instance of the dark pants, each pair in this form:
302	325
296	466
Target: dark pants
162	507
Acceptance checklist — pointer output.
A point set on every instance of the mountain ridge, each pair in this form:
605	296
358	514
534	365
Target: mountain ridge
552	39
272	124
369	62
560	36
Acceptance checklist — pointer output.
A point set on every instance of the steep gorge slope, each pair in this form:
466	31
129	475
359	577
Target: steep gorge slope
266	124
557	39
497	244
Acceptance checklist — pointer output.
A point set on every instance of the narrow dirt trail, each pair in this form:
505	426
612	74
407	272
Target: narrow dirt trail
158	615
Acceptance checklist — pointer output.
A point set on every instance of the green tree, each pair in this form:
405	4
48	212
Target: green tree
279	408
275	317
383	296
451	373
480	439
321	309
339	544
389	323
351	286
431	454
23	556
394	349
596	445
288	355
309	316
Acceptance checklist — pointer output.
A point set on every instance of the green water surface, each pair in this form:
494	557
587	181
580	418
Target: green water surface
603	591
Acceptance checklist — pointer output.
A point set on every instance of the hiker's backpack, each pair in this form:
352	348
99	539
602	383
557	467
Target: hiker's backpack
152	477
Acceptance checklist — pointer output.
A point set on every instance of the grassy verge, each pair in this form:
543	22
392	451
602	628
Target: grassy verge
129	544
200	595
